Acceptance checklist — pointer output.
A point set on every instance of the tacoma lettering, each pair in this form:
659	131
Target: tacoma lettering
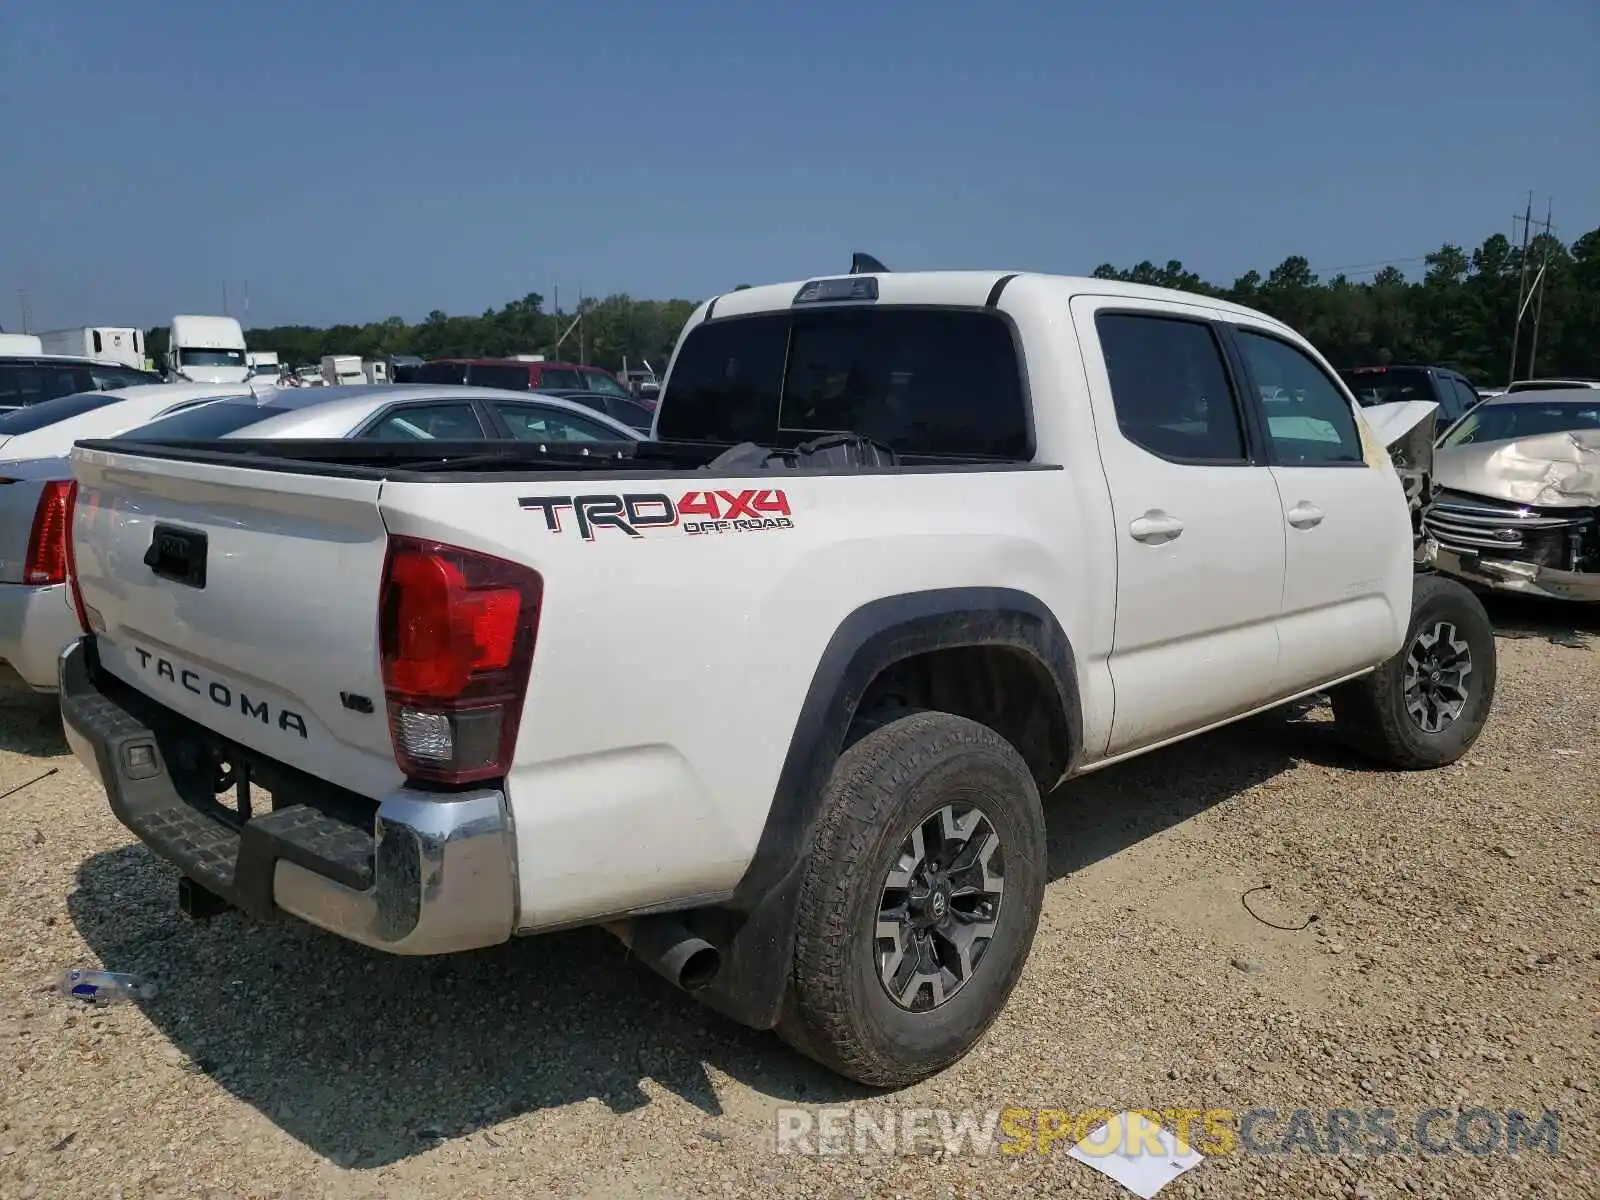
220	694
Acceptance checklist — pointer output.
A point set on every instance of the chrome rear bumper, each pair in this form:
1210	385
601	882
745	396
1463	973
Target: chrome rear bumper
434	874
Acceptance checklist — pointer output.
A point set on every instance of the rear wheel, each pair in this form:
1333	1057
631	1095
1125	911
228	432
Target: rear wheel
1426	706
920	901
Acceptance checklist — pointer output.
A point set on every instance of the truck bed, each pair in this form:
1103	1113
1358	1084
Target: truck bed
682	612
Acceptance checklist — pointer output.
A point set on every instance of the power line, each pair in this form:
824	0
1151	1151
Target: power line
1544	266
1362	268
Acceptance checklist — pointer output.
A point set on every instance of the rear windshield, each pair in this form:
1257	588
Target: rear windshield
26	420
923	381
210	420
497	375
439	372
1499	422
1389	387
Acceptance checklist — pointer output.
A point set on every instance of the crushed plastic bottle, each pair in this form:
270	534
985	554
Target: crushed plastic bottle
104	987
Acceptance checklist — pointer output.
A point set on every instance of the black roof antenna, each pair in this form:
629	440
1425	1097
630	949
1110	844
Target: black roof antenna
862	263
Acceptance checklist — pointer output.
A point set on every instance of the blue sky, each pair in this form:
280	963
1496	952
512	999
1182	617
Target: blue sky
349	163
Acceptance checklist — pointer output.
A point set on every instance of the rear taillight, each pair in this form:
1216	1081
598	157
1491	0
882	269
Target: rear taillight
72	559
455	636
47	543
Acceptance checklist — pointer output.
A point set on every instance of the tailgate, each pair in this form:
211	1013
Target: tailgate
245	599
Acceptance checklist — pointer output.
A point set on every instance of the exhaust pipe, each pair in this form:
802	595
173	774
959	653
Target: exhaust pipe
670	950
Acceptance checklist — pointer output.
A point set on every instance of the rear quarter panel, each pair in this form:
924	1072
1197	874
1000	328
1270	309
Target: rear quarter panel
670	667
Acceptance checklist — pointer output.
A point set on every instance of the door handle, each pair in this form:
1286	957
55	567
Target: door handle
1305	515
1155	527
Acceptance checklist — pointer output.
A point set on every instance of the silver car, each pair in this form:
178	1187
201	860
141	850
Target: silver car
403	412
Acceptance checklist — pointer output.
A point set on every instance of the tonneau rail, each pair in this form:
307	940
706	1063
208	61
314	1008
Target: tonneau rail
422	461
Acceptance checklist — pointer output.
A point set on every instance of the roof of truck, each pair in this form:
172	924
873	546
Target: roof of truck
963	289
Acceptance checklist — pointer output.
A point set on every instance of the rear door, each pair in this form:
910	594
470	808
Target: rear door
1200	544
244	599
1342	510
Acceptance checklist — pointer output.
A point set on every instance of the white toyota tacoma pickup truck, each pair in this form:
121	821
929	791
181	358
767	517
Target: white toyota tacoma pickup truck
775	695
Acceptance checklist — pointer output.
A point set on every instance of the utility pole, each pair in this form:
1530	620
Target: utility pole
22	300
583	358
1522	282
1544	266
247	301
224	297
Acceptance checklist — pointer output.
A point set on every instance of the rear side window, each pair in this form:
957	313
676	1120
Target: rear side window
923	381
1309	421
37	416
560	377
1170	388
109	379
536	423
443	422
496	375
440	372
23	384
599	381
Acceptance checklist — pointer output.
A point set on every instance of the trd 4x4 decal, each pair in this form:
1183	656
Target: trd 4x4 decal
694	512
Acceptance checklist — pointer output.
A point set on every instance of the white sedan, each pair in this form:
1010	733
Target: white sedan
48	429
36	616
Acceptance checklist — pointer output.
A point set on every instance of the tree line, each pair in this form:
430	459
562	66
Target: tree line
1459	314
611	330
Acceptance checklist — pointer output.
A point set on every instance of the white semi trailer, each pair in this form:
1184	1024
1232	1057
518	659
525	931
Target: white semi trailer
107	343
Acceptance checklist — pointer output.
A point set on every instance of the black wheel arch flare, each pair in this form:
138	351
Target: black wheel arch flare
755	927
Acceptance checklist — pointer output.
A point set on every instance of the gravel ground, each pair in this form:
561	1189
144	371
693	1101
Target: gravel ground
1455	963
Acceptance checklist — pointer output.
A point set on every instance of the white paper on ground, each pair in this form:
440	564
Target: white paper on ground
1140	1171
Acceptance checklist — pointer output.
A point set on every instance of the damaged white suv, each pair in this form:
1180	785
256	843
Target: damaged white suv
1518	506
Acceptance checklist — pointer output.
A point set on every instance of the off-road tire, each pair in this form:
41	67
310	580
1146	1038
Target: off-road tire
1371	712
837	1009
